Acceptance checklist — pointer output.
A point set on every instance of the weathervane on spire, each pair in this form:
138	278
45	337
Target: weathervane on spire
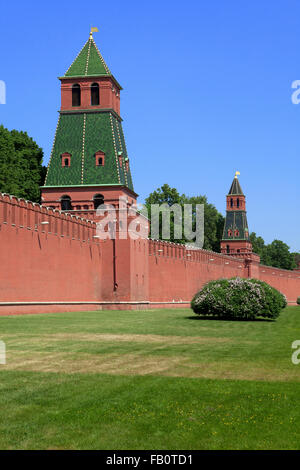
94	29
236	174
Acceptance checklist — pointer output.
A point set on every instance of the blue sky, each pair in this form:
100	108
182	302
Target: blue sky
207	91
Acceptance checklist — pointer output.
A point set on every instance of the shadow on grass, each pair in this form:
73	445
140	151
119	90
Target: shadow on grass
211	317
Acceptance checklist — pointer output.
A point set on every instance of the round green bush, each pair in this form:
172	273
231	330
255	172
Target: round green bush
238	298
273	301
298	301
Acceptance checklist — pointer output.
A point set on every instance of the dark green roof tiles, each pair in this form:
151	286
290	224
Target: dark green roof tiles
236	220
125	155
99	137
68	138
235	188
82	135
88	62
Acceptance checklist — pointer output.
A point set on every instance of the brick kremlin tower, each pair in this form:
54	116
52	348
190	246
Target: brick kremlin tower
89	164
235	240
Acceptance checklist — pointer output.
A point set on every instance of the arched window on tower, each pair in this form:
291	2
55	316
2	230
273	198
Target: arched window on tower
127	164
120	156
66	159
66	204
231	202
95	99
76	95
100	158
98	200
238	202
227	249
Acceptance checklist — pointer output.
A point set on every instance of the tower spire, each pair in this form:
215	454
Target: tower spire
235	240
235	188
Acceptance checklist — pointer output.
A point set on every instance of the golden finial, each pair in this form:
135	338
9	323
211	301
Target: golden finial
94	29
236	174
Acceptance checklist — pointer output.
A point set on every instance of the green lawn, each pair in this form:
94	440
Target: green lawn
161	379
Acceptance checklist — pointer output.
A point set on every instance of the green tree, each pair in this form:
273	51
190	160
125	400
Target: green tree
21	169
169	196
280	256
8	164
213	220
259	247
275	254
258	243
296	258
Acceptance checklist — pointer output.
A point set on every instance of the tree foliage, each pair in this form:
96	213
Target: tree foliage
276	254
21	169
297	258
213	220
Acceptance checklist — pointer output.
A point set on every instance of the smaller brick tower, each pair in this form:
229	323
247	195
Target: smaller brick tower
235	239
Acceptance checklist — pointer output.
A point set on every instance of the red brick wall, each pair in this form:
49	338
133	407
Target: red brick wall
60	261
288	282
60	266
176	273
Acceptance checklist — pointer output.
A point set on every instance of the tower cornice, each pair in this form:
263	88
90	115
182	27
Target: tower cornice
96	110
88	78
108	186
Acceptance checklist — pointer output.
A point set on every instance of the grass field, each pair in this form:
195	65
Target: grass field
160	379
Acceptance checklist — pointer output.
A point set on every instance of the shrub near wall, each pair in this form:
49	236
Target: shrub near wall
238	298
273	300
